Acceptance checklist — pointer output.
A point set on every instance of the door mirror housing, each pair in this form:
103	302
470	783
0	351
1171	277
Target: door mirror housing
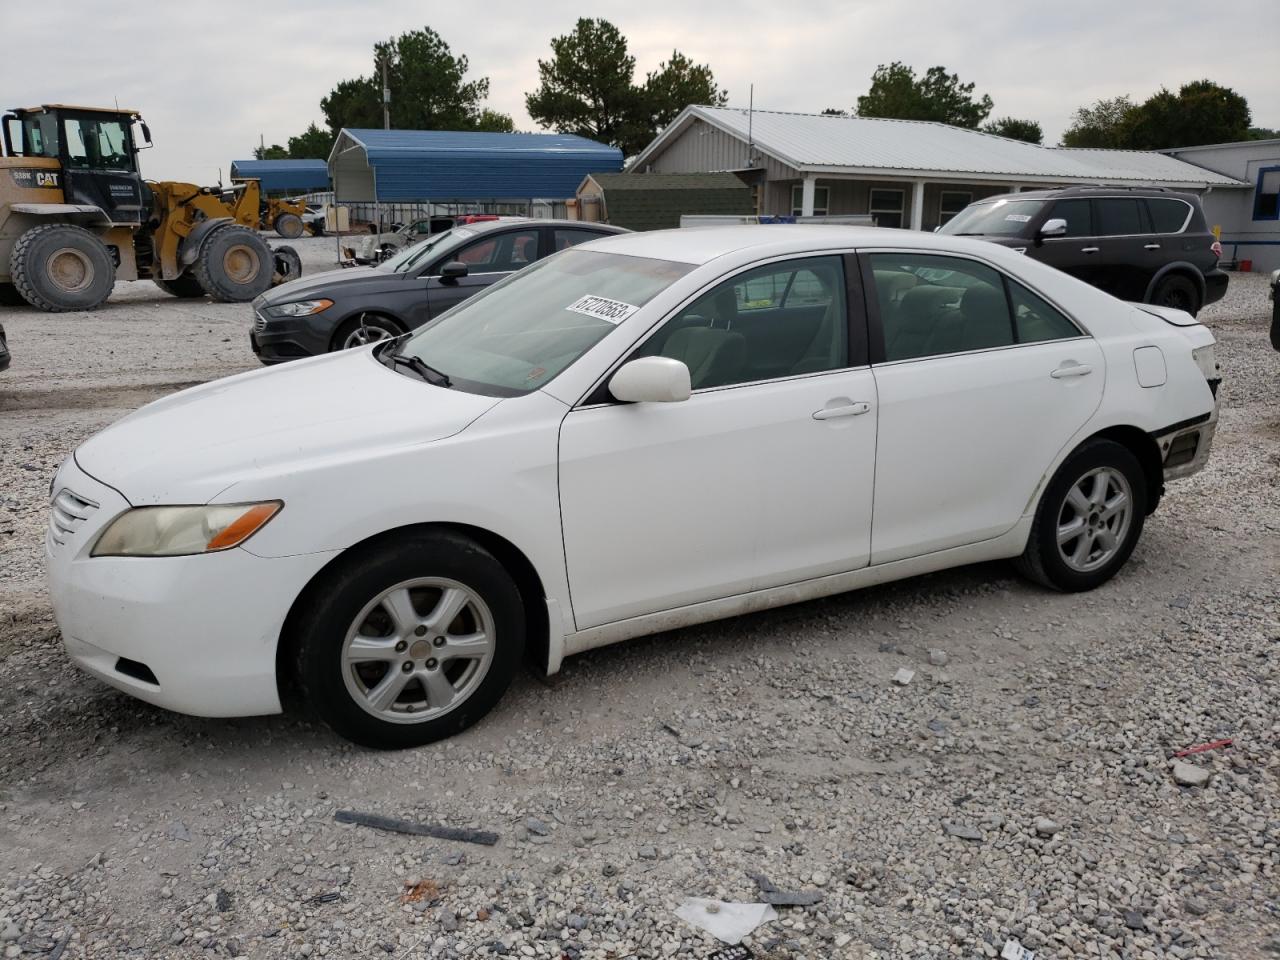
651	380
1054	227
453	270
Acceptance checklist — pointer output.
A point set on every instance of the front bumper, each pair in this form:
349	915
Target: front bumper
278	339
196	635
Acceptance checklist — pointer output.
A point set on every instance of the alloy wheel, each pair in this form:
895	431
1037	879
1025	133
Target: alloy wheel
1094	519
364	335
418	650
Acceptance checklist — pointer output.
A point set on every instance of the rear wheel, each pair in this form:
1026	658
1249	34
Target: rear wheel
234	264
1088	520
1179	292
185	286
287	265
58	267
289	226
410	642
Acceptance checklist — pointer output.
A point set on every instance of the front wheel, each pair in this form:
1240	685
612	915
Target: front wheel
410	642
1088	520
364	329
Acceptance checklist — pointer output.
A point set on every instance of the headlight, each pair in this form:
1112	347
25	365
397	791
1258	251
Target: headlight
299	308
182	531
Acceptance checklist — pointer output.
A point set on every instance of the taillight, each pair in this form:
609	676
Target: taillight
1216	247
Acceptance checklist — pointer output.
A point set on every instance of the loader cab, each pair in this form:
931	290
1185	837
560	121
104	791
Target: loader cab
95	151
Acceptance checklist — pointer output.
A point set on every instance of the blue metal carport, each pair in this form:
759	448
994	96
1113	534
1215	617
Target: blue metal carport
442	166
284	176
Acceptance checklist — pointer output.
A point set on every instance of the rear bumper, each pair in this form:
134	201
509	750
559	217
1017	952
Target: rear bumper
1184	447
1215	285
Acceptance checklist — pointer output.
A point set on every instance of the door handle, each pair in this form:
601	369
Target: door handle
1151	246
1088	249
848	410
1071	369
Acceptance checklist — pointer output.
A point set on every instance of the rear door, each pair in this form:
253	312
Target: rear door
1123	234
975	402
489	258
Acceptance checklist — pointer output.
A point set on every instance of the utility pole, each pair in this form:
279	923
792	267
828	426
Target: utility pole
386	98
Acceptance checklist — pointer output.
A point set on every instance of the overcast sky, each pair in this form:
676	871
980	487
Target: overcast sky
211	77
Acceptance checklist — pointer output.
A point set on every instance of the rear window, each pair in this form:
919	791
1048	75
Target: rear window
1168	216
1119	216
993	218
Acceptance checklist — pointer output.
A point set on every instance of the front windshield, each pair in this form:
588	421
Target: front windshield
994	218
416	256
523	331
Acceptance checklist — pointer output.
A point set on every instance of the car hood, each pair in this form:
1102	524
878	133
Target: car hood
281	421
329	283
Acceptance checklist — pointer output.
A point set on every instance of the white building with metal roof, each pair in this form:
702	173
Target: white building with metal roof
905	173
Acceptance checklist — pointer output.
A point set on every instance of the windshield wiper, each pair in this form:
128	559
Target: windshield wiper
421	368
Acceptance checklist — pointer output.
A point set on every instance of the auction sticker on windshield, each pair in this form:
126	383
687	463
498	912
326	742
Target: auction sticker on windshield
602	308
1018	217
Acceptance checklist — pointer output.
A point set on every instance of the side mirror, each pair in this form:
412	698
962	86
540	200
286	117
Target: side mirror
1054	227
651	380
453	270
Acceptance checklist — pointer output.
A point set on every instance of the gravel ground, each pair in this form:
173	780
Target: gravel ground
1019	786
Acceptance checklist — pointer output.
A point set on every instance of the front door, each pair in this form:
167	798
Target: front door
976	399
100	169
763	477
489	258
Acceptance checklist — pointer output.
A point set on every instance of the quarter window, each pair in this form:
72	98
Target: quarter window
821	200
1119	217
1167	216
886	207
784	319
1035	319
934	305
1078	217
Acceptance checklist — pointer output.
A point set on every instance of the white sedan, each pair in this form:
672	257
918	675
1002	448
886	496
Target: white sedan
640	433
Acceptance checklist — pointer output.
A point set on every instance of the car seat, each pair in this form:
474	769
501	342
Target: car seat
714	357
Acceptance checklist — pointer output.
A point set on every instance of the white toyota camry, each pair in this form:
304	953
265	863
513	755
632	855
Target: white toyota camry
640	433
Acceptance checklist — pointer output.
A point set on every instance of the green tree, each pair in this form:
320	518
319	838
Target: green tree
493	122
896	93
1026	130
585	88
429	89
673	86
834	112
273	152
1104	124
1201	112
312	144
1263	133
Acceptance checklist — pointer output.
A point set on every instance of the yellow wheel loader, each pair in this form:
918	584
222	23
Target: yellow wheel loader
76	215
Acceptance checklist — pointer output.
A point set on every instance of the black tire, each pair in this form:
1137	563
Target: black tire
1275	322
1043	560
347	336
289	226
234	264
340	600
1178	291
58	267
287	263
10	297
316	227
185	286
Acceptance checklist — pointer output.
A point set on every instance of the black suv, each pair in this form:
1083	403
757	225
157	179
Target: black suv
1146	245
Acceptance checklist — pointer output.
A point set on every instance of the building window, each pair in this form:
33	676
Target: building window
821	200
1266	199
953	201
886	207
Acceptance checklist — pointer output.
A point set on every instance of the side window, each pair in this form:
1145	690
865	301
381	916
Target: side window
501	253
565	238
1035	319
1077	215
933	305
77	147
1167	216
1119	216
780	320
